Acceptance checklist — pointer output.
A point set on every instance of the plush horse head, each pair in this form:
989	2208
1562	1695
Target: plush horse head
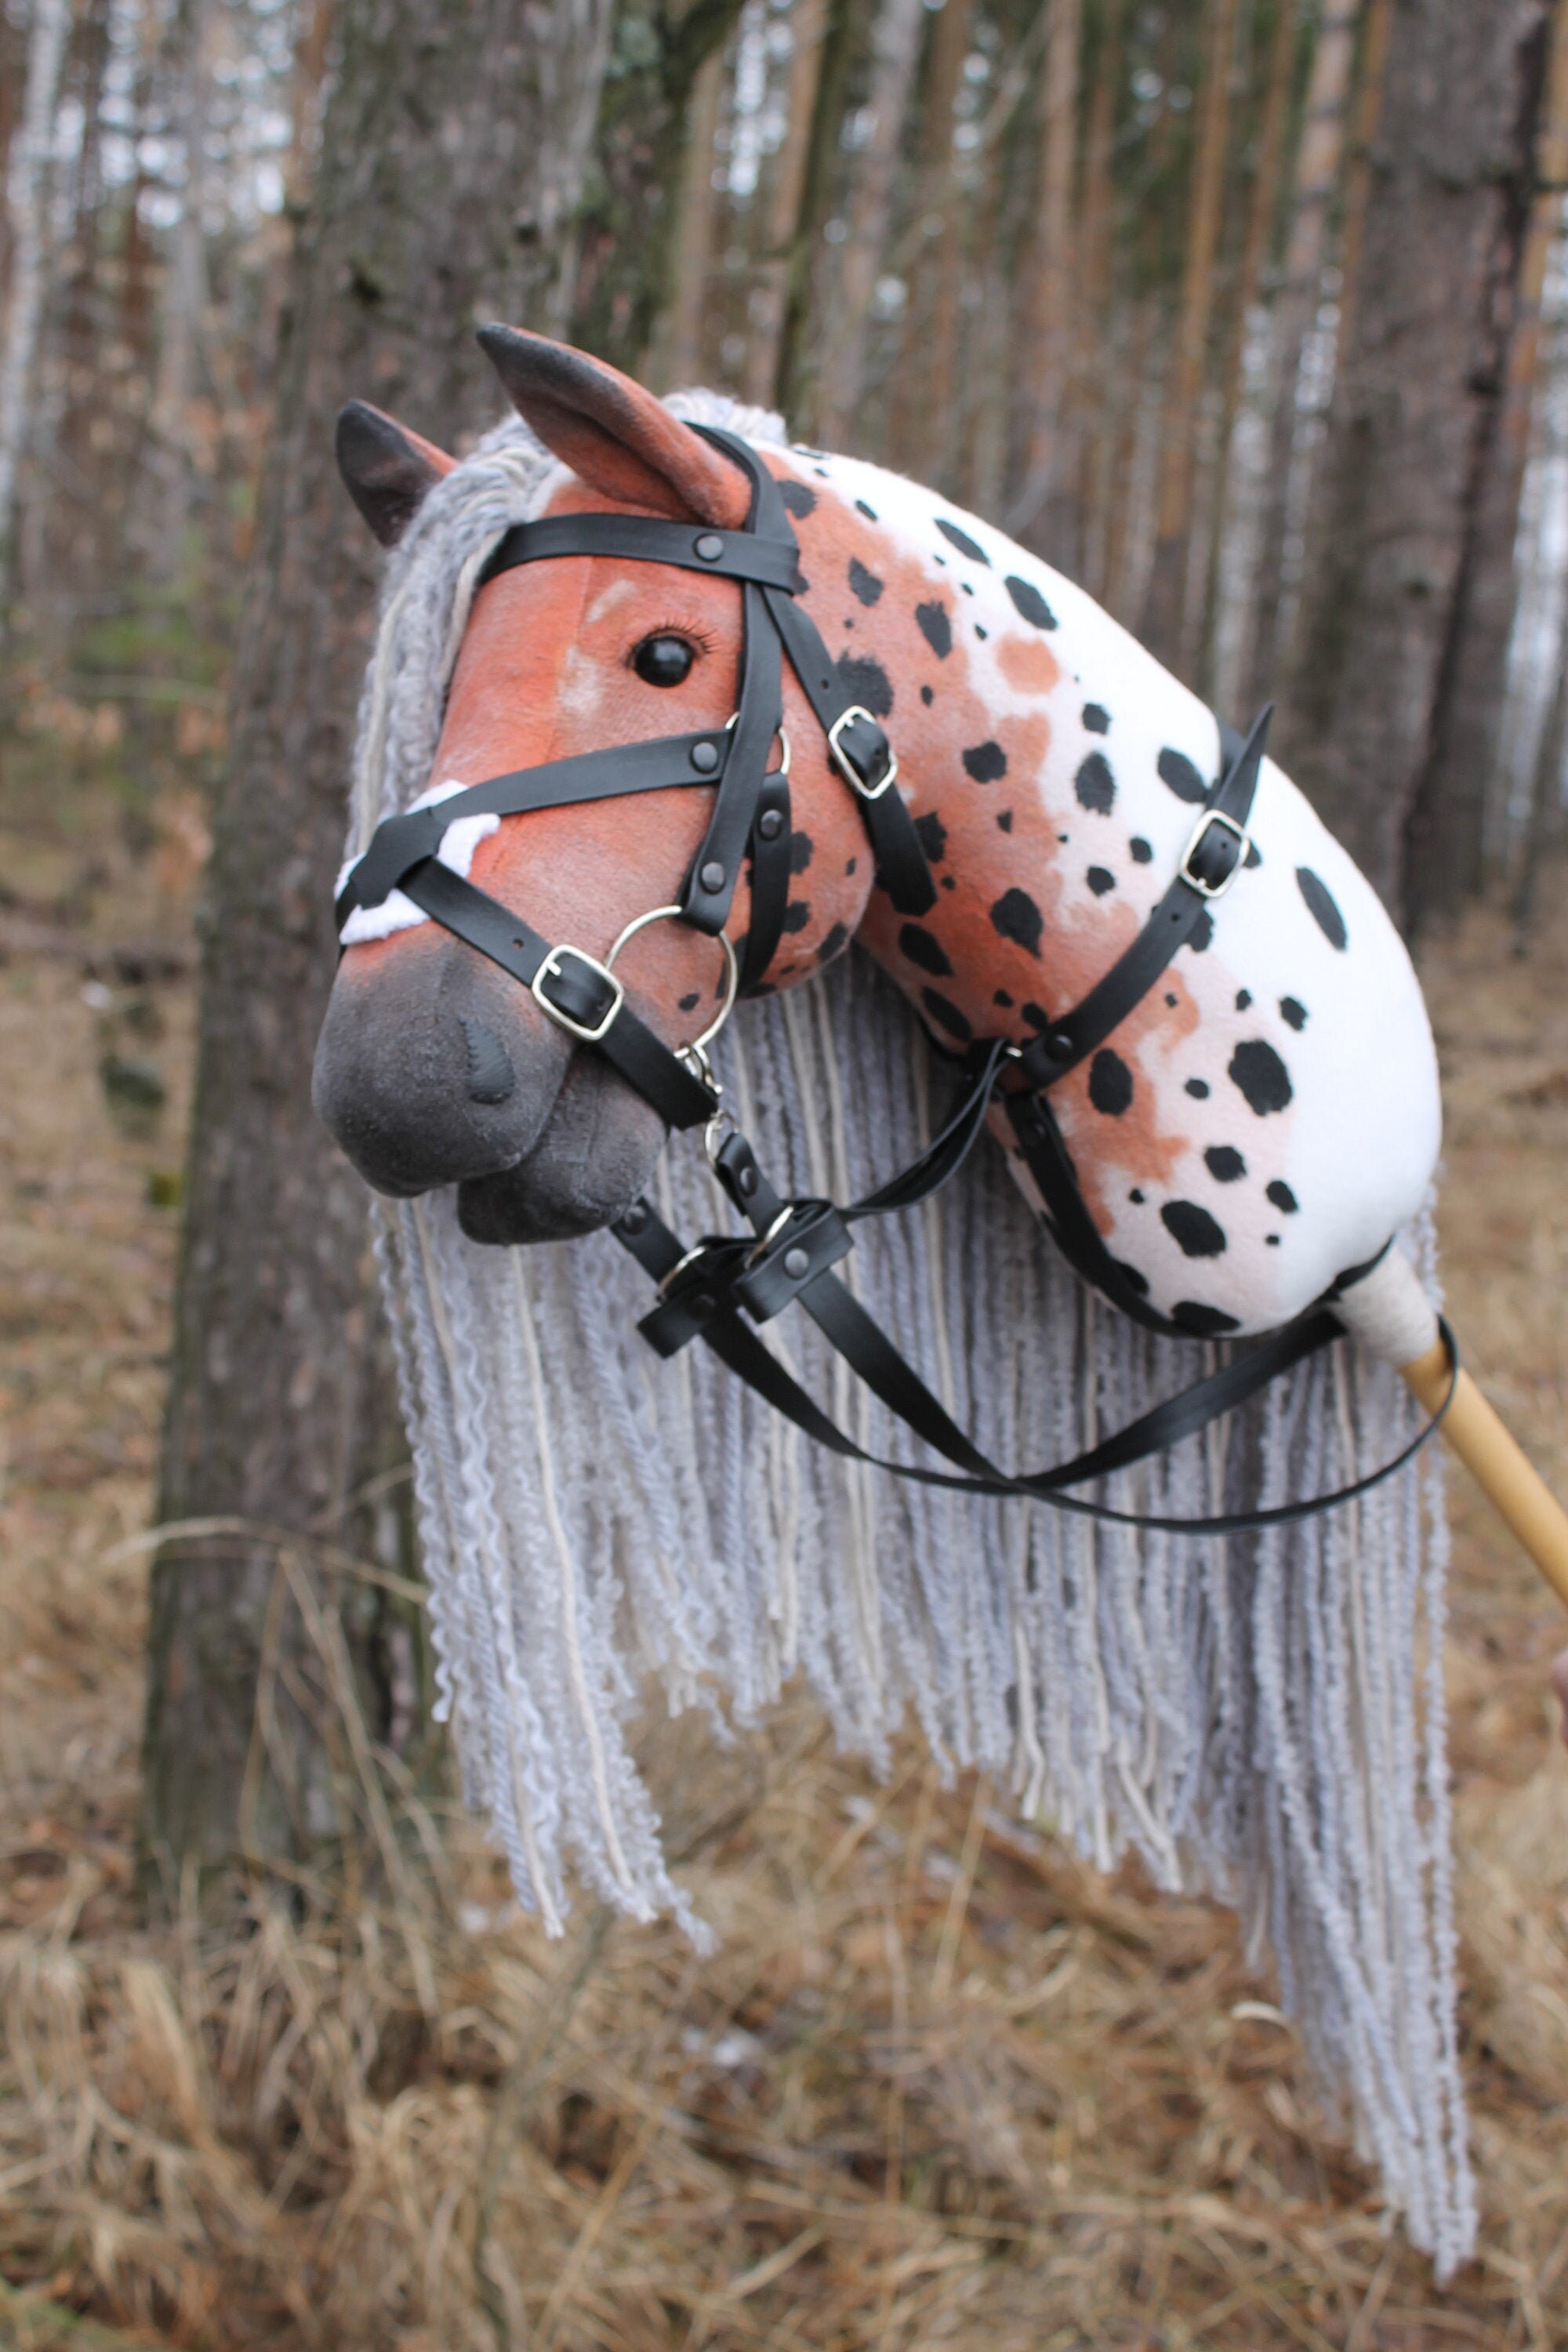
1264	1120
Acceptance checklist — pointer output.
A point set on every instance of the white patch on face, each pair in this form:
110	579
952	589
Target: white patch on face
581	687
615	593
398	913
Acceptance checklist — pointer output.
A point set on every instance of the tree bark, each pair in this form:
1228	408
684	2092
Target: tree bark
28	206
770	295
452	153
917	411
1053	321
799	353
896	45
1415	399
1447	844
1317	158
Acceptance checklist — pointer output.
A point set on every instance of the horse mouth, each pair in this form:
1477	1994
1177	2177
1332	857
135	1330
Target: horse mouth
596	1153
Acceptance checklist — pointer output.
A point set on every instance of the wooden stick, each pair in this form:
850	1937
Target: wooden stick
1496	1463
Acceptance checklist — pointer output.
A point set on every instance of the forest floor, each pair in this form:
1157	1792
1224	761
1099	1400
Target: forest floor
940	2085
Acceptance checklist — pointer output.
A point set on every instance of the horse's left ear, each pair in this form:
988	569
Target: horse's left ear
612	433
386	470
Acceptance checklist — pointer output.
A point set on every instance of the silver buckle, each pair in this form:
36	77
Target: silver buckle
551	968
1242	843
845	766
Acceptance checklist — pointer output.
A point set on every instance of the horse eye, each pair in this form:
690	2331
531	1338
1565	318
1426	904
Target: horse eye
663	661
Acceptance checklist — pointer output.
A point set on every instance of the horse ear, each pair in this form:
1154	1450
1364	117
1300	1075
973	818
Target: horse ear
389	471
616	435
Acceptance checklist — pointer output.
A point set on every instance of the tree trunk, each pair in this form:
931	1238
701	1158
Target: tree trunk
1053	321
1165	612
1446	851
28	207
798	352
896	47
452	153
1317	175
1415	402
916	430
770	295
677	352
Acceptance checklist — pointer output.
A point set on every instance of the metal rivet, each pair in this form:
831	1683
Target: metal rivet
635	1219
709	547
747	1181
702	1302
1059	1045
770	824
712	876
705	758
796	1263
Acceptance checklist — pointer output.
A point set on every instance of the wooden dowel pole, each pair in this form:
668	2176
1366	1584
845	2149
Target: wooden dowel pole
1496	1463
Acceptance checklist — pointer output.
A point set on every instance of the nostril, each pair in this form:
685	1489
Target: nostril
490	1074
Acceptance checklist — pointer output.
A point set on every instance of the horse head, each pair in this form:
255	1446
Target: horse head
1264	1119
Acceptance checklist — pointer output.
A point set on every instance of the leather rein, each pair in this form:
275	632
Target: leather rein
725	1286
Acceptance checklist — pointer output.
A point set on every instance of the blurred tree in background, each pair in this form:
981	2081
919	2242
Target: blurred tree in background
1251	315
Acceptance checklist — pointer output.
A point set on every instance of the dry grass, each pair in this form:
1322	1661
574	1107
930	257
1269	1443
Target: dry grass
940	2084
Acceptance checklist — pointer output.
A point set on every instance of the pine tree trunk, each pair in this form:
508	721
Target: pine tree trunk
29	208
452	152
916	432
1415	402
808	25
1445	850
1053	321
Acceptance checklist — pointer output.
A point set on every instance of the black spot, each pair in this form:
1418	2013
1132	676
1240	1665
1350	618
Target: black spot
1261	1076
1198	1088
933	836
1202	1322
1097	718
980	632
1094	784
1243	999
797	914
689	1004
1138	850
1064	838
1028	603
935	627
926	696
948	883
853	863
986	762
921	947
1177	771
1254	854
1225	1163
1101	879
797	498
1281	1195
1004	819
1202	933
1002	998
966	588
1033	1014
1196	1232
1130	1274
1321	908
1171	998
1016	918
801	848
1136	1195
946	1016
1270	1241
1293	1012
866	585
864	681
1109	1083
962	541
870	513
837	938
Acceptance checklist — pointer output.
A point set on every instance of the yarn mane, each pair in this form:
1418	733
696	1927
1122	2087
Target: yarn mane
1259	1718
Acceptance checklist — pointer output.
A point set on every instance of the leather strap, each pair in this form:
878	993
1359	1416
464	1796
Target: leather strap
772	561
1213	856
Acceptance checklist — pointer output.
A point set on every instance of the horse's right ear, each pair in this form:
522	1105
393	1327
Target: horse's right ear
389	470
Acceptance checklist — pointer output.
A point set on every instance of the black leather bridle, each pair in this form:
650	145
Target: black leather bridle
722	1288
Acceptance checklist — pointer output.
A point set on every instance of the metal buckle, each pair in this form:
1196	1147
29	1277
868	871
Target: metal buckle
697	1049
782	768
845	766
1242	843
551	968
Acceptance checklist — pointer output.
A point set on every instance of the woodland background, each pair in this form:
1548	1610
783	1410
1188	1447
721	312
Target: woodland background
1252	315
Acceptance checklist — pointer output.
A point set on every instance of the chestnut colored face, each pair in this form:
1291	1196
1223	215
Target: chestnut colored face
434	1065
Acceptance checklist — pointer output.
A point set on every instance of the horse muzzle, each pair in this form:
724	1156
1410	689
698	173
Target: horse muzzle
434	1068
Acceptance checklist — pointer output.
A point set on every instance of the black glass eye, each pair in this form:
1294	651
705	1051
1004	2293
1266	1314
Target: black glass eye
663	661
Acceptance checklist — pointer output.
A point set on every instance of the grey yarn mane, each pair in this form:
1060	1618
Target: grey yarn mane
1261	1718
